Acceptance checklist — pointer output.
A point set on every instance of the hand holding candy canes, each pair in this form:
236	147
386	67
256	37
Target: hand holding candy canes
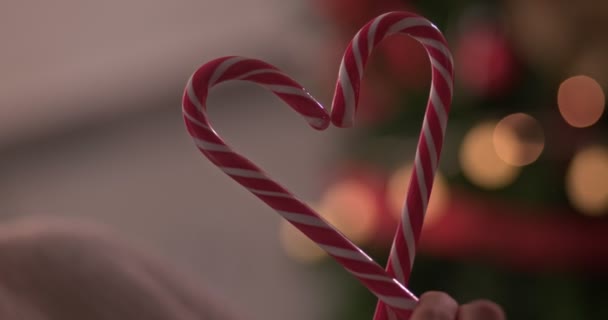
395	301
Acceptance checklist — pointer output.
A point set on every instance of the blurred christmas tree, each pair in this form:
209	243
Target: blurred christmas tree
519	211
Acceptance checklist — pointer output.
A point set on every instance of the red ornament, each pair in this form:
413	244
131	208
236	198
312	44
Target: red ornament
350	15
406	62
525	237
385	222
378	99
486	62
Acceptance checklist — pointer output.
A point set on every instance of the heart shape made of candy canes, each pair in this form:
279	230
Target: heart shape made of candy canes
388	285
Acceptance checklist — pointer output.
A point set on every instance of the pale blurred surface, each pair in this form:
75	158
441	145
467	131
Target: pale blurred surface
90	126
73	60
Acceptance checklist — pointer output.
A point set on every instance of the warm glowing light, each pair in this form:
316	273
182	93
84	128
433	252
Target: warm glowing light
518	139
587	181
397	189
479	161
581	101
297	246
352	207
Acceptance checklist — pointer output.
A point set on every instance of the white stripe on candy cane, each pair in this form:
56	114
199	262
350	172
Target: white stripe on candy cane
357	54
370	276
424	196
406	23
193	98
428	136
345	253
348	94
256	72
303	219
397	268
439	109
208	146
287	90
194	120
444	73
408	235
270	193
222	67
245	173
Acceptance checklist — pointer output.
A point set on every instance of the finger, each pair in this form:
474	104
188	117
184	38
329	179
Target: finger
435	305
481	310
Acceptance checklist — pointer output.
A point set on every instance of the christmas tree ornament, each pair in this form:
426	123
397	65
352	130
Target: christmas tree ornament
350	15
389	286
485	58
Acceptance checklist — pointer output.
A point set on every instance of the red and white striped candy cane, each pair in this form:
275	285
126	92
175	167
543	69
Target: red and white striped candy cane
433	127
354	260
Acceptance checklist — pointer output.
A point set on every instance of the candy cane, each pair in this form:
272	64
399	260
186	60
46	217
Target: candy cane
403	250
353	259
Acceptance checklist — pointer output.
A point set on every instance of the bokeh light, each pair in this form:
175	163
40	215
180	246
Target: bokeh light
479	161
397	189
587	181
297	246
350	205
581	101
485	60
518	139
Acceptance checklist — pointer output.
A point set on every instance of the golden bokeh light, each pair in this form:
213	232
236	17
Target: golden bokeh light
479	161
581	101
297	246
518	139
397	189
350	206
587	181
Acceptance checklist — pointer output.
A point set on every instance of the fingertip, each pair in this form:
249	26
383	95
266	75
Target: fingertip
435	305
481	310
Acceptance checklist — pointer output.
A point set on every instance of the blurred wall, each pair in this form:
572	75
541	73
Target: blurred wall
90	127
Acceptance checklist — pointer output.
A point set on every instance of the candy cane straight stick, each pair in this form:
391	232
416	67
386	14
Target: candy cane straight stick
434	124
376	279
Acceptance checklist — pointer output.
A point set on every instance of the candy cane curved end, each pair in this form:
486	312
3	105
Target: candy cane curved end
261	73
345	101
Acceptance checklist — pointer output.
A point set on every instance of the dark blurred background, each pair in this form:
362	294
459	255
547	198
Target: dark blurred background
90	127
